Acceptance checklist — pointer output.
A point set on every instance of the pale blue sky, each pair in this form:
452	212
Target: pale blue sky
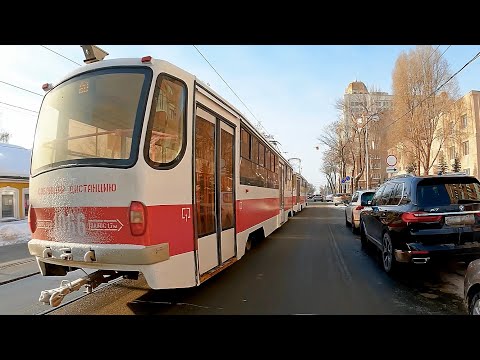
290	89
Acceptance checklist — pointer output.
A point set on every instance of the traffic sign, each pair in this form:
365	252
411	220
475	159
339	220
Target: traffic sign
391	169
347	178
391	160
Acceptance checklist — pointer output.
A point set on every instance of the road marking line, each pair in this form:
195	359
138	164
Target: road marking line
338	254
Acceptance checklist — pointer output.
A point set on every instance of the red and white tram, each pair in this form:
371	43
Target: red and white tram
138	167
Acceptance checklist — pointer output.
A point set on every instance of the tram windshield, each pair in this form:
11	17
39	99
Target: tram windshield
92	119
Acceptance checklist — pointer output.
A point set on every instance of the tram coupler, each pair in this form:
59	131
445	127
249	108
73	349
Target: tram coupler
55	296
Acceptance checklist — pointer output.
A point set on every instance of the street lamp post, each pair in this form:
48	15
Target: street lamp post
367	160
373	117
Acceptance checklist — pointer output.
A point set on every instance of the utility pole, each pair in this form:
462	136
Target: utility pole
367	157
373	117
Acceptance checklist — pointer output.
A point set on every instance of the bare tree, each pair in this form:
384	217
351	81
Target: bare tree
4	136
361	113
335	138
418	77
330	168
311	188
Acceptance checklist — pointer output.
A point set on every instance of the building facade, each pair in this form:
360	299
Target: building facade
14	181
458	138
365	110
463	141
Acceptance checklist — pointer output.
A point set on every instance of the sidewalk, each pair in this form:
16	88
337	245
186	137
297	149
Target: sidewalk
12	221
15	262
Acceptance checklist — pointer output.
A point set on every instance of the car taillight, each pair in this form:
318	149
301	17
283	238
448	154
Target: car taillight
32	219
359	207
138	218
417	217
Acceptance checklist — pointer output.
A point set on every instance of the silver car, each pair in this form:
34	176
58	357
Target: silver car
472	288
359	203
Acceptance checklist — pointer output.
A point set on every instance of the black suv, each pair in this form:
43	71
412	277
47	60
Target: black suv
418	219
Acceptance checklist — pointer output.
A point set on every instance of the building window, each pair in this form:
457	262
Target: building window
452	127
465	147
26	202
464	121
451	152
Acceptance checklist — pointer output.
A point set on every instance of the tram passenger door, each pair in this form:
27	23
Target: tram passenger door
282	195
214	191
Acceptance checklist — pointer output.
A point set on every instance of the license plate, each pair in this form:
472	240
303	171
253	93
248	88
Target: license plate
460	220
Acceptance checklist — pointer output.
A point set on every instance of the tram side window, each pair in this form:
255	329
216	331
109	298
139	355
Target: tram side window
256	162
245	146
166	126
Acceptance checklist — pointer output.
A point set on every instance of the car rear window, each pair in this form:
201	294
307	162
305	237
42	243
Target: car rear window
447	191
367	196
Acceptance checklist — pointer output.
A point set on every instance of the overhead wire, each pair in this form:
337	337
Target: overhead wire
238	97
18	87
18	107
63	56
33	92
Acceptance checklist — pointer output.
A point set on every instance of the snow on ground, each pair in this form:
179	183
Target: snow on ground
14	232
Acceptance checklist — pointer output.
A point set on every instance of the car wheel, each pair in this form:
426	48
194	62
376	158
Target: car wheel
363	236
388	256
474	305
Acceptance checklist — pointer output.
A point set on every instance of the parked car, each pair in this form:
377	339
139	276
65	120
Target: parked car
420	219
472	288
341	199
354	207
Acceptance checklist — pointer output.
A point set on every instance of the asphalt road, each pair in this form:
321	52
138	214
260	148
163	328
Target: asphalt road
14	252
312	265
